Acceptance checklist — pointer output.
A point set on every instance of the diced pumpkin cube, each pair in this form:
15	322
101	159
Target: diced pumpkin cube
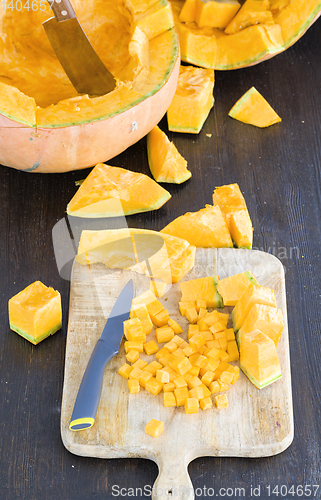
194	371
158	288
183	345
207	378
221	401
206	403
196	392
179	353
233	351
175	326
178	340
133	330
192	330
171	346
214	353
211	318
162	352
154	308
182	366
172	373
161	318
226	377
219	335
187	14
197	341
214	387
223	345
167	359
169	388
191	405
180	382
236	372
125	370
164	334
133	344
154	428
202	313
224	357
217	327
141	313
163	376
133	386
151	347
144	377
140	363
223	385
169	399
135	373
211	365
132	355
207	335
191	314
188	351
153	386
153	367
200	361
193	381
181	394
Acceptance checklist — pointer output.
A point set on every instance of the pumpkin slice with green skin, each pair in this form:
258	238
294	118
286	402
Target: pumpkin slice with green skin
232	288
202	289
206	228
253	109
165	162
267	319
192	101
259	359
114	191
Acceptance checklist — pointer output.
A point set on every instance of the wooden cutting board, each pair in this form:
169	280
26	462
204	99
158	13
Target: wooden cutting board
257	423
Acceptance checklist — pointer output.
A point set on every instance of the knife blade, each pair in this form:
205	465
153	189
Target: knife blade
107	346
83	66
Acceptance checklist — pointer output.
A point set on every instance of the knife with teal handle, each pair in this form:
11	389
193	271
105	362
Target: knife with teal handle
87	401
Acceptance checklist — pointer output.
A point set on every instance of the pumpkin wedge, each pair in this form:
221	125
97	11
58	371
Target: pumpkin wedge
253	109
117	248
45	126
165	162
232	288
192	101
114	191
205	228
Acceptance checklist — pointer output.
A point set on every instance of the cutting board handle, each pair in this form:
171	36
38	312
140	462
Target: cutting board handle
173	481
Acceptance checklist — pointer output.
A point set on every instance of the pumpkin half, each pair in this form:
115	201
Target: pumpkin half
260	30
45	125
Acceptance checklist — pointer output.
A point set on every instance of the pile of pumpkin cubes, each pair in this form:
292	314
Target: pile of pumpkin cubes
187	372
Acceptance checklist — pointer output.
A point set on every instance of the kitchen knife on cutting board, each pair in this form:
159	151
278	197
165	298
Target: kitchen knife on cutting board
83	66
107	346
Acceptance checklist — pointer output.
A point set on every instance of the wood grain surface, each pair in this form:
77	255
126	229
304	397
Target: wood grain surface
278	170
257	423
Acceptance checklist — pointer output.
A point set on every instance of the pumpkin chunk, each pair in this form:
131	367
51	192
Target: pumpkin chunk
253	109
154	427
215	13
35	312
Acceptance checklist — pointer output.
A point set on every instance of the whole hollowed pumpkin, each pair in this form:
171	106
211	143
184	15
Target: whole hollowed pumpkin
45	126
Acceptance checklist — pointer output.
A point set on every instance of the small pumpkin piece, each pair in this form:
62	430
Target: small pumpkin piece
153	386
163	376
161	318
175	326
206	403
191	405
141	313
153	367
133	344
187	14
164	334
233	351
132	355
144	377
165	162
125	370
215	13
253	109
231	288
191	314
221	401
169	399
214	387
192	101
181	395
133	330
151	347
35	312
154	427
133	386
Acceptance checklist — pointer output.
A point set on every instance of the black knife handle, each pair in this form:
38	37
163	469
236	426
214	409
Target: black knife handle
87	401
62	9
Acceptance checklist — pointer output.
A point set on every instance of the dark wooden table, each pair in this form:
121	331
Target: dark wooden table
278	170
